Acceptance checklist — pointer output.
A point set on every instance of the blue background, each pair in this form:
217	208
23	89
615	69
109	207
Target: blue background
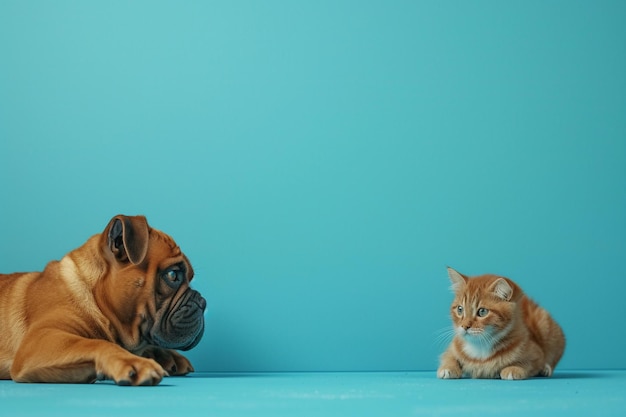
321	162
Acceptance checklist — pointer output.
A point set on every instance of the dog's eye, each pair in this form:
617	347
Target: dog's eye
173	277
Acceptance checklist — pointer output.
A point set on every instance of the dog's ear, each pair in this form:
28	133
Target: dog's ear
127	238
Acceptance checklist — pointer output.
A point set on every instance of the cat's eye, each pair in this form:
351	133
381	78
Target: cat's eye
459	310
482	312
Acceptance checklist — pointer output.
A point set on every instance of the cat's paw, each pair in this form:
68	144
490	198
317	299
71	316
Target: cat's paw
513	372
447	373
546	371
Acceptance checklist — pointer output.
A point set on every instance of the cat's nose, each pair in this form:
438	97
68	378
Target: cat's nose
466	326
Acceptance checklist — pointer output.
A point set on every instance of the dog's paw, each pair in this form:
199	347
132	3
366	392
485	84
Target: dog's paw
448	373
132	370
173	362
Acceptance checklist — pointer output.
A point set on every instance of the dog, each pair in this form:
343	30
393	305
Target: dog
117	308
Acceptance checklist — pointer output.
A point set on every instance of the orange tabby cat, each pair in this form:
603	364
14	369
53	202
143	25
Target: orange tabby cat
499	332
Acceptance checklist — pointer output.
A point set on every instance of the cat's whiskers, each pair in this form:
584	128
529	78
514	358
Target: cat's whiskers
488	340
497	336
443	336
479	344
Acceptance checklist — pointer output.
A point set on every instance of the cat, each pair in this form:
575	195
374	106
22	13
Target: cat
499	332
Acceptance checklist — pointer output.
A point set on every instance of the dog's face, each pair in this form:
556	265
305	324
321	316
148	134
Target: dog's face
147	287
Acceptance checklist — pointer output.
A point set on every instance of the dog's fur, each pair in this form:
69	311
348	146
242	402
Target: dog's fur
115	308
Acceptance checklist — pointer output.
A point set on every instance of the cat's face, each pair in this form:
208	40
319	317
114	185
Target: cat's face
482	312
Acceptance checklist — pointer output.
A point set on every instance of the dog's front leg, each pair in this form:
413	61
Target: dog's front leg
173	362
57	356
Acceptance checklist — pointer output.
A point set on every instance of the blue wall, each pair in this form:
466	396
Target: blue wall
322	162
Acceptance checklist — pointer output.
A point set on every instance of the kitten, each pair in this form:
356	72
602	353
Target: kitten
499	332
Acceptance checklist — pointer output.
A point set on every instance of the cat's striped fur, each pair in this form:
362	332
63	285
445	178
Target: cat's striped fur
499	332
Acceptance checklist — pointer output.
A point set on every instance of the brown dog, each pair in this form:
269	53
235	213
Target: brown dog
115	308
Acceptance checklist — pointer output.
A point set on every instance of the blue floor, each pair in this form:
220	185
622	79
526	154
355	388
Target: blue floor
568	393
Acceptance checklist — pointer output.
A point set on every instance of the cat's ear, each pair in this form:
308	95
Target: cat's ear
502	289
458	281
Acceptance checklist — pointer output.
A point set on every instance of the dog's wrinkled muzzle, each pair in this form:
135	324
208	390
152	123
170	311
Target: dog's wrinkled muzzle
181	328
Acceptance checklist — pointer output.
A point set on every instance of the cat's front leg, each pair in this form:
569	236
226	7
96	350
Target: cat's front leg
546	371
449	367
449	373
514	372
